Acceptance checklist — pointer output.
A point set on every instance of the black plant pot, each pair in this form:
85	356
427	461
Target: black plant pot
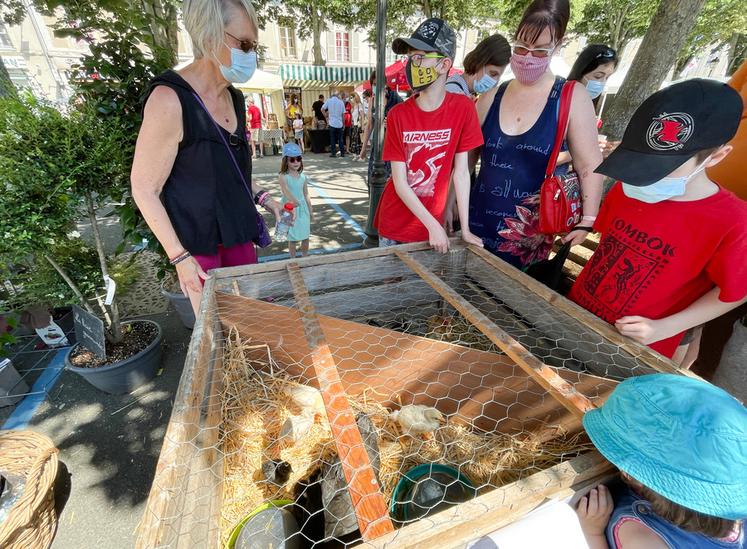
182	305
127	375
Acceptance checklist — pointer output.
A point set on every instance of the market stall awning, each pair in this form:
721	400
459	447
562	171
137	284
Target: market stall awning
314	76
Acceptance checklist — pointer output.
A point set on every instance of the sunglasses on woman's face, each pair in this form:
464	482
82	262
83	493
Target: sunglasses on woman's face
295	158
244	45
521	49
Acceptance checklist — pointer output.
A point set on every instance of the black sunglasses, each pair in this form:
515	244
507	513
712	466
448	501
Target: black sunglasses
295	158
609	54
244	45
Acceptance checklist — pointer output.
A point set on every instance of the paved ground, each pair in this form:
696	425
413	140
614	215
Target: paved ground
110	444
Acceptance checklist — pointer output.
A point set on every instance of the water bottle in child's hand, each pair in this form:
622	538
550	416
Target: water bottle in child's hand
286	220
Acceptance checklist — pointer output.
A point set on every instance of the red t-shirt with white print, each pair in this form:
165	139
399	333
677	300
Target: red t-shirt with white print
427	143
654	260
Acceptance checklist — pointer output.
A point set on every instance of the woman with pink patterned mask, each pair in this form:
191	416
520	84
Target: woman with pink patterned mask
519	122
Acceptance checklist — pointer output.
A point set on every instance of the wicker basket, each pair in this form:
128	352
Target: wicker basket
32	521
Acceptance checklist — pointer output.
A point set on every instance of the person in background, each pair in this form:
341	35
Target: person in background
358	115
255	120
319	122
294	185
391	98
195	191
347	123
519	123
298	130
679	444
593	67
293	108
483	67
673	251
428	136
333	110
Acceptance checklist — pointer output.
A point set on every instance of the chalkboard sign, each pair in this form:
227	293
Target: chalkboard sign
89	331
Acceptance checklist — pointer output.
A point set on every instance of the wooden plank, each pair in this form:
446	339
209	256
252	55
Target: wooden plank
274	266
641	352
545	376
368	501
160	522
469	521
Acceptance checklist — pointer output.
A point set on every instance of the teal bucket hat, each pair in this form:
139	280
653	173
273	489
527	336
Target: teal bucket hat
682	437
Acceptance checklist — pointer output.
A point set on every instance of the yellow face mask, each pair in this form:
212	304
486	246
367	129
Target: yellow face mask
420	78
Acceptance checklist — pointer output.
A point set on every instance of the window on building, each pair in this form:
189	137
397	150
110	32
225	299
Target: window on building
5	42
287	42
342	46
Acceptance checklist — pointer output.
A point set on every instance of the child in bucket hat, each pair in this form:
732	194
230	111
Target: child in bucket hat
681	446
674	244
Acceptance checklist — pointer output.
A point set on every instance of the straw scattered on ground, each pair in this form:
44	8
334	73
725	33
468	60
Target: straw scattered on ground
255	404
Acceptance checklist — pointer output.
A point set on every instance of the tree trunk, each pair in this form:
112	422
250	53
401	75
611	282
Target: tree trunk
115	327
69	282
427	9
733	46
665	37
7	88
316	29
161	15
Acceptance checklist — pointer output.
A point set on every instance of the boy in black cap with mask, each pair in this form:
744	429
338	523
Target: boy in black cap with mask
426	137
674	249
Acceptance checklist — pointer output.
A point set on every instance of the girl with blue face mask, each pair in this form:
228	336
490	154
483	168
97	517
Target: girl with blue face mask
483	67
593	67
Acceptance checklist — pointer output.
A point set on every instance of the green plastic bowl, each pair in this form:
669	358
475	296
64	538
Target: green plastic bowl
428	489
236	532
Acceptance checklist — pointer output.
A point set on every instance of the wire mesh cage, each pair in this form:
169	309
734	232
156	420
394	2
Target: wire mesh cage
382	398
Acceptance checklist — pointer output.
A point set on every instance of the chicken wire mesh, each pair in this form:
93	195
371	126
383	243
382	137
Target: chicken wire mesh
361	401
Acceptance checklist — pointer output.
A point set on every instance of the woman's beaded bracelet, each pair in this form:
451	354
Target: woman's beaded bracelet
181	257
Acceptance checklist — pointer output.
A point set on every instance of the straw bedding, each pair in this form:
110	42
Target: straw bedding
255	403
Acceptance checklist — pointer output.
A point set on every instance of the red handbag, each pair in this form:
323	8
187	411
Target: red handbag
560	195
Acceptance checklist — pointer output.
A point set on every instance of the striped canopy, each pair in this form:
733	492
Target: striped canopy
307	76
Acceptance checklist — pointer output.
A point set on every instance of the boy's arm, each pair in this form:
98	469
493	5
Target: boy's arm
647	331
461	189
436	233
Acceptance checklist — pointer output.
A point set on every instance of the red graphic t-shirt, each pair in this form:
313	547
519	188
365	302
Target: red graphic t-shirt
256	115
654	260
427	143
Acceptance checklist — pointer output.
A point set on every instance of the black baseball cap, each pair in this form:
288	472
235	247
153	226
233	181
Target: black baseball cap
432	35
671	127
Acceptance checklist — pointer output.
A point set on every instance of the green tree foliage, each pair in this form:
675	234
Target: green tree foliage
615	22
720	22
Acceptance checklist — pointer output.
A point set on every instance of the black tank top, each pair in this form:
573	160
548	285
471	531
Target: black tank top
204	196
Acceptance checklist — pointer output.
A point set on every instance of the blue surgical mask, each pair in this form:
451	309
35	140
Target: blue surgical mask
664	189
485	84
595	88
243	65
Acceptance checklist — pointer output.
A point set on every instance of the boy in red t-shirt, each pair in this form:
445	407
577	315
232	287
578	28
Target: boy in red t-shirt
426	137
673	254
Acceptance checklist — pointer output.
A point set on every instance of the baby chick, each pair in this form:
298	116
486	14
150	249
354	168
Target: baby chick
309	399
416	419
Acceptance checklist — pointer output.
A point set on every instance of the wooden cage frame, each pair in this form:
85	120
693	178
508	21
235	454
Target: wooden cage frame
190	458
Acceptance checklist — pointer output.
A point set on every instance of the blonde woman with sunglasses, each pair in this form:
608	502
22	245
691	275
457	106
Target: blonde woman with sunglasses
191	174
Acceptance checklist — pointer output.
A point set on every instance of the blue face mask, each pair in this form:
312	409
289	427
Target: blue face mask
243	65
595	88
664	189
485	84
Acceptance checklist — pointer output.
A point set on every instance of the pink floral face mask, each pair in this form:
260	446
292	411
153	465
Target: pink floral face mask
527	69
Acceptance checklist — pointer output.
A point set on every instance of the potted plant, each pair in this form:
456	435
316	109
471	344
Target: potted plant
74	164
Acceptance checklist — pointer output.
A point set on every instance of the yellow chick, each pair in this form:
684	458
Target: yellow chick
416	419
309	399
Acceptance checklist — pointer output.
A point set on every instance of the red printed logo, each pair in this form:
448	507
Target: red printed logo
670	131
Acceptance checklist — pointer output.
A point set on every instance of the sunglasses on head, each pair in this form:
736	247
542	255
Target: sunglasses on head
609	54
244	45
295	158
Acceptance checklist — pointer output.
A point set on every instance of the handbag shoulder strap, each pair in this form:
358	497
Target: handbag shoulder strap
566	95
228	149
